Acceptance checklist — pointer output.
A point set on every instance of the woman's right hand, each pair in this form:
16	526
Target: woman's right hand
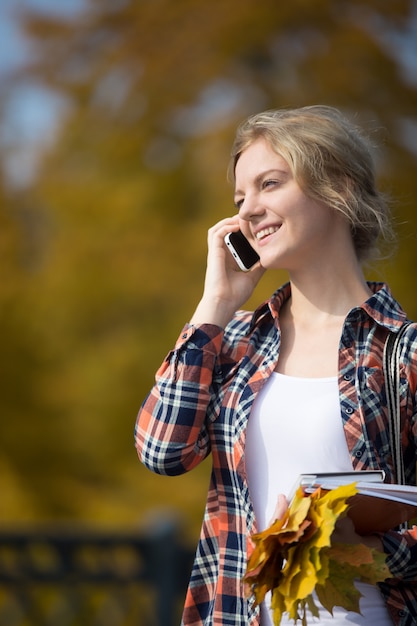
281	508
226	287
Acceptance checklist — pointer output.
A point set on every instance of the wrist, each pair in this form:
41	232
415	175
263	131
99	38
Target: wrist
217	312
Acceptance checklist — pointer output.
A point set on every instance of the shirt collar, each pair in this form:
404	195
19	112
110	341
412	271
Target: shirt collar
381	306
270	308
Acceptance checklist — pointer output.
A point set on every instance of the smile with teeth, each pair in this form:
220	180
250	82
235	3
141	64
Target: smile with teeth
266	231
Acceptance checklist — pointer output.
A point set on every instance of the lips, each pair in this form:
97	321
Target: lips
261	234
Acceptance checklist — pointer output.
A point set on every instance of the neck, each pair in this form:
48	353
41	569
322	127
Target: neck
328	293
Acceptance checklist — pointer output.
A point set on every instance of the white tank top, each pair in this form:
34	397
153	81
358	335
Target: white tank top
295	427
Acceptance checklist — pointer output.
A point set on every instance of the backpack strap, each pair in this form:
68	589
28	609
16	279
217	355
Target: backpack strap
391	368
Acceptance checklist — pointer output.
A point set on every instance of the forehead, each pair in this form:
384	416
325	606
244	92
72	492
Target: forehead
258	158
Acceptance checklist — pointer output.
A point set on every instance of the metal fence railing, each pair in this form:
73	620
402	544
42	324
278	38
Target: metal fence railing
80	577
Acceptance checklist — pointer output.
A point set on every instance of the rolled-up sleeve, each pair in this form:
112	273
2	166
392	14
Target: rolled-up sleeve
401	548
171	434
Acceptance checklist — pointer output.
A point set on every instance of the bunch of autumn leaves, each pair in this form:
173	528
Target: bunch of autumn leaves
294	557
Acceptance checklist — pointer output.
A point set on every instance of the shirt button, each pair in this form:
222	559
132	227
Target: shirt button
347	377
358	454
349	410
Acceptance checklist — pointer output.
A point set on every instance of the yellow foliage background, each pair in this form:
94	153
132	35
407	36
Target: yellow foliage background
103	251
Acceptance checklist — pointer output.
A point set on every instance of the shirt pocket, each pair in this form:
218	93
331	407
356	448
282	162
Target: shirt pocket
373	403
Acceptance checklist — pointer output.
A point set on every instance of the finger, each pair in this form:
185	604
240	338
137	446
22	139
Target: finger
225	226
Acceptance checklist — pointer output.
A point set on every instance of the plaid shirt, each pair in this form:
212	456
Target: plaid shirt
201	403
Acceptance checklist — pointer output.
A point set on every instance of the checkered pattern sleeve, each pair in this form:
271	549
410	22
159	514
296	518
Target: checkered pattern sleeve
171	433
402	554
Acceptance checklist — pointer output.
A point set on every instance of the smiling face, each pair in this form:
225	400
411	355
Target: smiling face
288	229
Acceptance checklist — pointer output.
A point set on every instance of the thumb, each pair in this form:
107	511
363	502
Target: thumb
280	508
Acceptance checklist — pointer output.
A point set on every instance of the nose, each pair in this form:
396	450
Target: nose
251	208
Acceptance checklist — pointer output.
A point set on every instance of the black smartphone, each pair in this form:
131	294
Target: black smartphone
241	250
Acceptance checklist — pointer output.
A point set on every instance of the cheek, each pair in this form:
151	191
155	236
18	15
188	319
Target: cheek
244	227
316	217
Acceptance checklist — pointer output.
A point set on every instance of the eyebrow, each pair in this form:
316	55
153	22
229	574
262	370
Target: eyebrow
259	177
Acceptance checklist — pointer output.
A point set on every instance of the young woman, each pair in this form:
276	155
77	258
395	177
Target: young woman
297	385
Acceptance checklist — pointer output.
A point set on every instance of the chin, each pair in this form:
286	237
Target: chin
271	264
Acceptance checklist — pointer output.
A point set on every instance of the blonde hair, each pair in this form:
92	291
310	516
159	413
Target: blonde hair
331	161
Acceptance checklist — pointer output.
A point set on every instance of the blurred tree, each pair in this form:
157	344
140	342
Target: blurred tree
112	230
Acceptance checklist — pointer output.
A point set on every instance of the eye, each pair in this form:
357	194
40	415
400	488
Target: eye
238	203
269	182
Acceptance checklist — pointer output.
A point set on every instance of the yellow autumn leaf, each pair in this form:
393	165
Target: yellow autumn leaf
300	573
339	589
370	564
347	563
294	557
265	564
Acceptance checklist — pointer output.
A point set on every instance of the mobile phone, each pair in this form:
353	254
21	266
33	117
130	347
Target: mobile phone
241	250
